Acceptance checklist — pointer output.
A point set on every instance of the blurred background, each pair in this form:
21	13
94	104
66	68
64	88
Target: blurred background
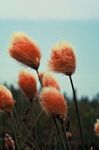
48	22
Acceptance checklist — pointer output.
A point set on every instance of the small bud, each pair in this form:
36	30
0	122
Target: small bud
28	84
6	99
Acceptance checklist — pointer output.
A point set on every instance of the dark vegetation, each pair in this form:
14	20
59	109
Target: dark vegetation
36	130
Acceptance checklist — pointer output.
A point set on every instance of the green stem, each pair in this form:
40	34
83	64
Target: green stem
55	121
24	118
40	114
35	146
17	125
39	78
58	129
66	138
14	131
25	114
38	139
77	110
52	139
16	117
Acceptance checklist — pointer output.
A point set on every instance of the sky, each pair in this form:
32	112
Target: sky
49	9
77	21
83	35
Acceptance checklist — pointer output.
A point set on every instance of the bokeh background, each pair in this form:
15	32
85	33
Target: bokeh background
48	22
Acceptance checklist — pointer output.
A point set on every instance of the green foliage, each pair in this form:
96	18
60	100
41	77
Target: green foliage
38	130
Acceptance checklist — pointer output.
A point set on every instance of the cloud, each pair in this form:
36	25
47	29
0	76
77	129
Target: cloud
46	9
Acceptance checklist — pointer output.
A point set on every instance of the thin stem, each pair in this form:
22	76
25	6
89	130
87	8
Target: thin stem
33	140
38	139
66	138
16	117
51	137
77	110
55	121
40	114
26	112
23	121
39	77
17	126
14	131
58	129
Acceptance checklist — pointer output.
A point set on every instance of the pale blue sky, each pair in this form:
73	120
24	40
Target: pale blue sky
46	9
83	35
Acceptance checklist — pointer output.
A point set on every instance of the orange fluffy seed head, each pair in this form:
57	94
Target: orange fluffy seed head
63	59
28	84
6	99
48	80
53	102
25	50
96	127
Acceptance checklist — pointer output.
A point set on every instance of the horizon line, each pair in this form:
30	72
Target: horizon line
48	19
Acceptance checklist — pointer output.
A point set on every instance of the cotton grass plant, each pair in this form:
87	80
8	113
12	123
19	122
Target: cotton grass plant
50	99
48	80
7	105
28	84
63	61
25	50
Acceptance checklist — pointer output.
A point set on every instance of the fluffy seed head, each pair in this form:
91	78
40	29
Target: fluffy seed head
25	50
48	80
6	99
28	84
96	127
53	102
63	59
